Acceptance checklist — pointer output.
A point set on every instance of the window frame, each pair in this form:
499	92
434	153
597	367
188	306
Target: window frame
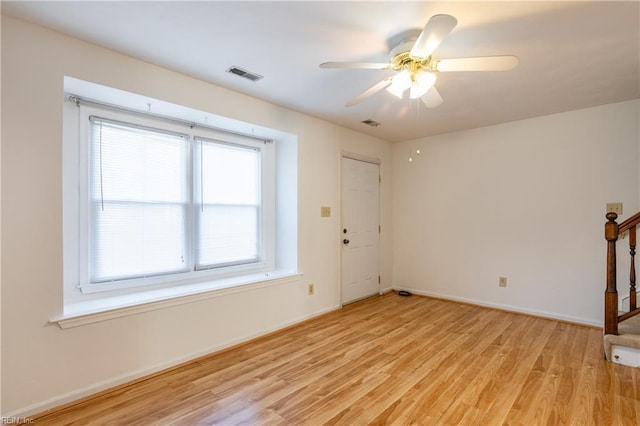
93	198
198	153
267	221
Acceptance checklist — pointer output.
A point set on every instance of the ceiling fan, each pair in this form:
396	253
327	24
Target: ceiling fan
417	69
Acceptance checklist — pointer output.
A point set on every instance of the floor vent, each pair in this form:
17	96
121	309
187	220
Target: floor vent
244	73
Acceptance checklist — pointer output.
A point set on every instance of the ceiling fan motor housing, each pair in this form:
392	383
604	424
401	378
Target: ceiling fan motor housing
400	57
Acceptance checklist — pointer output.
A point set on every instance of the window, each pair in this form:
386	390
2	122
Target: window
139	201
165	204
169	203
227	215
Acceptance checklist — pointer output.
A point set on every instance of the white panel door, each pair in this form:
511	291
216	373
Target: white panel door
360	235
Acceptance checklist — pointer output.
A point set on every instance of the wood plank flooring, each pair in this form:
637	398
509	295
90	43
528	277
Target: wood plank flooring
388	360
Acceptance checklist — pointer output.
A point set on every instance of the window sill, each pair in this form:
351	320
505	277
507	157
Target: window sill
87	312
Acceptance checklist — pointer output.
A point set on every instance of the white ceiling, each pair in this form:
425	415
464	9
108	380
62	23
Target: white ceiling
572	54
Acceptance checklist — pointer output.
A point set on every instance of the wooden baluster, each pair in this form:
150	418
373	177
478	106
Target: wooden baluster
632	273
611	293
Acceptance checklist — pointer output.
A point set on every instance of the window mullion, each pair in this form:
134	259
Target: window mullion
191	231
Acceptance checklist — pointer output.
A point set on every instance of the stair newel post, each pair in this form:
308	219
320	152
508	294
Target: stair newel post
611	293
632	273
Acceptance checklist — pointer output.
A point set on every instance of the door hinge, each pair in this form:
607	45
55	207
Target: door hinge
379	229
378	279
379	178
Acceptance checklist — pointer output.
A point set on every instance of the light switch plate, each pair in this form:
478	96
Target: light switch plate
325	211
614	207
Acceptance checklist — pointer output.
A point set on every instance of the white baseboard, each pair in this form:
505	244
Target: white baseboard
41	407
515	309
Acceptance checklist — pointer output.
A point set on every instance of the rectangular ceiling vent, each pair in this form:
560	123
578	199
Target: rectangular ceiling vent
371	123
244	73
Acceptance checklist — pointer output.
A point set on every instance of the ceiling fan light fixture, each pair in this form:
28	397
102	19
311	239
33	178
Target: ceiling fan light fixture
402	79
422	82
399	83
396	91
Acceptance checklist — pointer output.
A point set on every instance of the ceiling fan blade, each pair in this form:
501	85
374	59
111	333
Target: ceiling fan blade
432	98
357	65
370	91
482	63
436	29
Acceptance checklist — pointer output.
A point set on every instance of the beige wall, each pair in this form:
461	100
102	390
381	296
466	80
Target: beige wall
43	365
525	200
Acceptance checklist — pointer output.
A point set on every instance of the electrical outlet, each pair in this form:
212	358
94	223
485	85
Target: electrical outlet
502	281
310	289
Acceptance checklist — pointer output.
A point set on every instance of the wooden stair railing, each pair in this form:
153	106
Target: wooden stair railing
612	231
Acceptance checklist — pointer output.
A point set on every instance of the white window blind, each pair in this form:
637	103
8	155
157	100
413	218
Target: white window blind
139	201
228	208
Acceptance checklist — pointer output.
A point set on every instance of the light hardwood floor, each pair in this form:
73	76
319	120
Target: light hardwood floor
388	360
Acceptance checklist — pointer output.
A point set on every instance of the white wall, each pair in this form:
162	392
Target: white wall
525	200
43	366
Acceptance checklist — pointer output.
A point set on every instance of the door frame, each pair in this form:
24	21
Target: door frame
366	159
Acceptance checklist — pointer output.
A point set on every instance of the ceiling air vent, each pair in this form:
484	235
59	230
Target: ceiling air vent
371	123
244	73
